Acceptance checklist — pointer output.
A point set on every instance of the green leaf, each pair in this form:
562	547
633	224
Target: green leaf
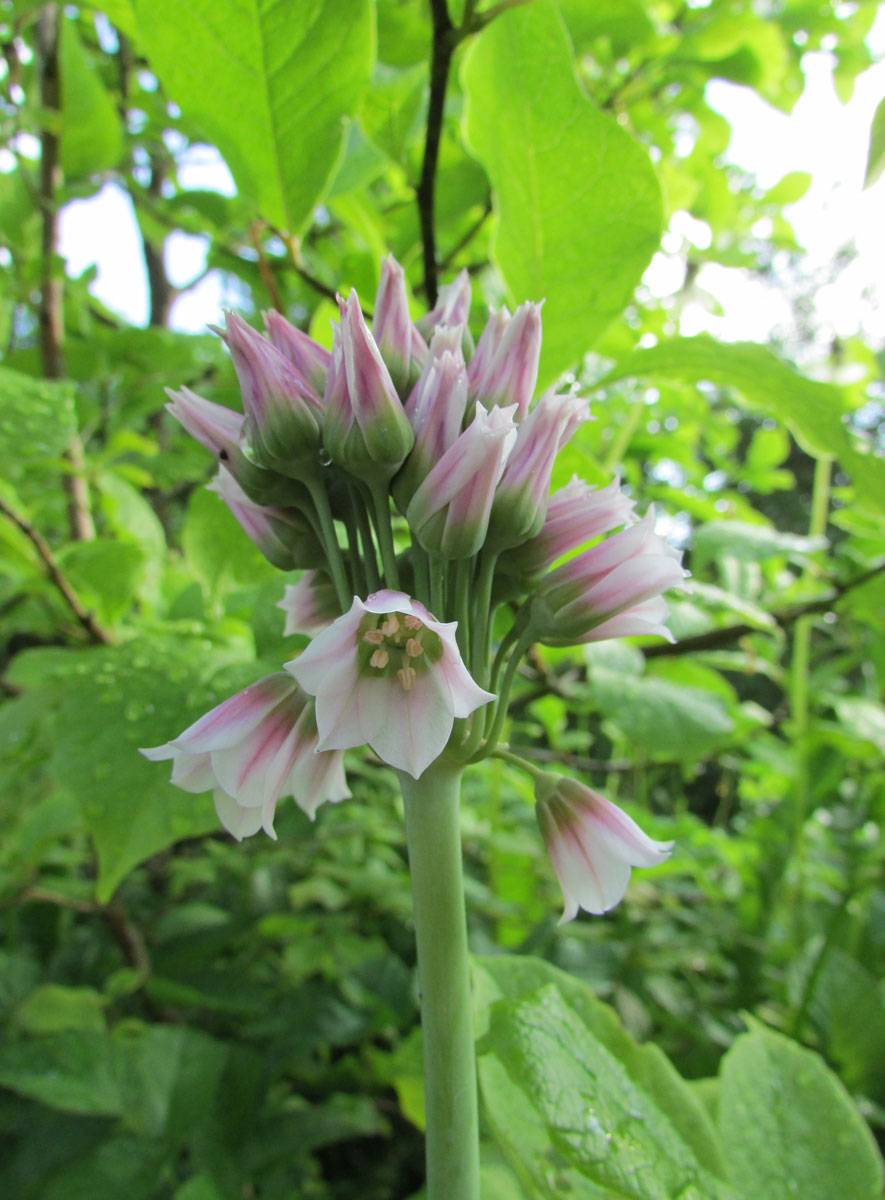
812	411
578	203
660	716
389	110
105	574
788	189
876	151
270	84
37	420
576	1105
216	546
788	1126
53	1008
750	543
104	704
91	139
76	1071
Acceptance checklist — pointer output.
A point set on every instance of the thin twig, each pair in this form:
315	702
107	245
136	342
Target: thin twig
55	573
51	309
444	41
267	275
715	639
468	237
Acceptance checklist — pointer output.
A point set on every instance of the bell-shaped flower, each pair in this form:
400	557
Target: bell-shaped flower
252	749
283	413
366	430
449	513
505	369
592	844
576	599
440	398
395	335
520	503
387	675
310	359
283	535
576	513
310	604
452	305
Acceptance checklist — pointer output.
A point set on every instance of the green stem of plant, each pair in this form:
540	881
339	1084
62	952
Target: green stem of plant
471	751
463	577
434	839
381	508
438	587
330	542
370	560
353	561
422	575
799	685
483	618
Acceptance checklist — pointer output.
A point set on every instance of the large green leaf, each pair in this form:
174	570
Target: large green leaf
788	1126
576	1105
578	203
270	83
91	139
660	716
37	420
813	411
876	151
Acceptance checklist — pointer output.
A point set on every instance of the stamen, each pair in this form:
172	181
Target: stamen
413	623
373	636
390	625
414	648
379	659
406	676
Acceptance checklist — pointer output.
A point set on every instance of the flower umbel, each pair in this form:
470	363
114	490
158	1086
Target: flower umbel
592	844
389	675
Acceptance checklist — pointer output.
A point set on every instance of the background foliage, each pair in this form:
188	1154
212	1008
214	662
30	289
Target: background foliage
186	1017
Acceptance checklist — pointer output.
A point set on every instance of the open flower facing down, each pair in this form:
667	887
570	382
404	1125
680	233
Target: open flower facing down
592	844
387	675
251	750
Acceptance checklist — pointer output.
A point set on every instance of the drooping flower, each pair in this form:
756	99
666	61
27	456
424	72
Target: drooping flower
252	749
387	675
365	430
310	604
618	577
282	535
449	513
592	844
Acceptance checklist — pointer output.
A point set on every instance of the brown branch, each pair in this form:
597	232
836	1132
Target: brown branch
444	42
51	312
716	639
264	268
55	573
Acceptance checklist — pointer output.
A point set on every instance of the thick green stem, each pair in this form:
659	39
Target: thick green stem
432	827
330	543
381	512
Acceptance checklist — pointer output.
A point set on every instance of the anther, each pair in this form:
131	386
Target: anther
406	676
373	636
414	648
390	625
413	623
379	659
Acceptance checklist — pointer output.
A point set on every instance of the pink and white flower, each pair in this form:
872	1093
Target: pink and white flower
440	398
283	412
366	430
592	844
449	513
520	502
310	604
616	578
452	305
310	360
283	535
504	368
395	335
576	513
252	749
387	675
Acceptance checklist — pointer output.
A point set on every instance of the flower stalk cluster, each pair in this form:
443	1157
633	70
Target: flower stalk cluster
407	473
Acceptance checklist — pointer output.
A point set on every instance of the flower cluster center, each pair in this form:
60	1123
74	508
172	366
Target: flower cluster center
396	645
